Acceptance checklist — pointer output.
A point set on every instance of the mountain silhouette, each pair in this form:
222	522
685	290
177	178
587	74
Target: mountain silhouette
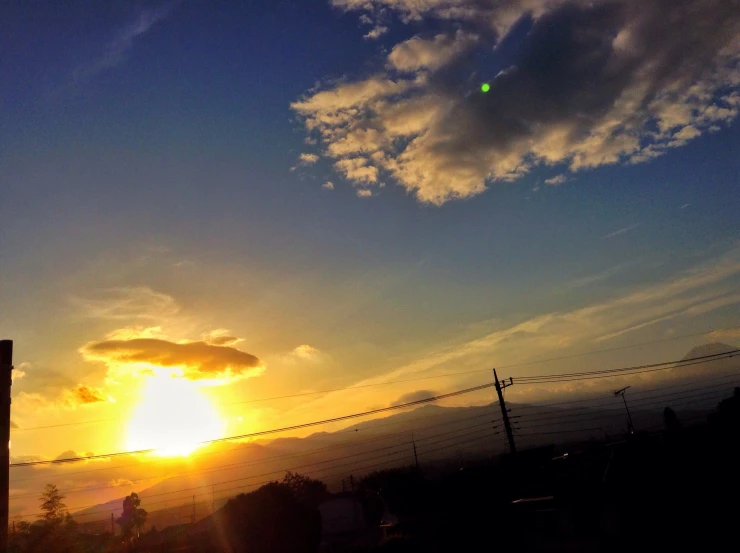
436	431
715	348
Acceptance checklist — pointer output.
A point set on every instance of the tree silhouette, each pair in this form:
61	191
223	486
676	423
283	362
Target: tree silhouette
670	420
55	531
727	415
272	519
133	516
52	506
403	491
305	489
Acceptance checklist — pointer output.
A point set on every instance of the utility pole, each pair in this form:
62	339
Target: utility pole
6	381
504	411
630	426
416	456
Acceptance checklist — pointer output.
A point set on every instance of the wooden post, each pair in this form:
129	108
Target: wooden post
504	412
6	369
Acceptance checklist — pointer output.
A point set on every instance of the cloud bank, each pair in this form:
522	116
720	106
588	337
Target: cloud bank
574	83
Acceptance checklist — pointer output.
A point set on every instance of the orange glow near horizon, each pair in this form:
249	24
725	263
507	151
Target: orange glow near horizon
173	418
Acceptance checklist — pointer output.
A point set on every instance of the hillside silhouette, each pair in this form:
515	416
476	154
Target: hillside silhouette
600	418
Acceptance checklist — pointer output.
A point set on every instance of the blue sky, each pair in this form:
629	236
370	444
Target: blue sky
151	178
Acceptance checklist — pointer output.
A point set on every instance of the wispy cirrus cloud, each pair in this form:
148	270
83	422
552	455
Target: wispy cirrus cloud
702	289
623	230
126	303
116	50
634	90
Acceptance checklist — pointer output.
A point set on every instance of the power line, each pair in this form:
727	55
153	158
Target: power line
487	430
639	369
265	432
619	412
188	490
106	509
560	432
335	420
75	459
609	398
637	402
337	446
462	373
390	423
476	371
275	458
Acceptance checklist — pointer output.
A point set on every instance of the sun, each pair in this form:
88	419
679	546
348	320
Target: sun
173	418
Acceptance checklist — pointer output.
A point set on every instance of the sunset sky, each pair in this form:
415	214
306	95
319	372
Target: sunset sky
206	204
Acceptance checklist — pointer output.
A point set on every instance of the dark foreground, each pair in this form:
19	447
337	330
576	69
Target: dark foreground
677	490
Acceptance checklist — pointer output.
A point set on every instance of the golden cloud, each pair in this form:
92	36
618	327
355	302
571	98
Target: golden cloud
220	337
85	394
198	360
68	398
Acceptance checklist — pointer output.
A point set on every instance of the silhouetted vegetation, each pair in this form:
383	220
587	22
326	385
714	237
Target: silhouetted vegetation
674	490
670	420
727	416
273	518
55	530
306	490
401	491
132	518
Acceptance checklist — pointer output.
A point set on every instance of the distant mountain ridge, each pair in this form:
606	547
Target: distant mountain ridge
715	348
436	431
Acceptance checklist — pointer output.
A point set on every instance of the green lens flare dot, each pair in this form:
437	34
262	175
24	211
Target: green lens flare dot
485	87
